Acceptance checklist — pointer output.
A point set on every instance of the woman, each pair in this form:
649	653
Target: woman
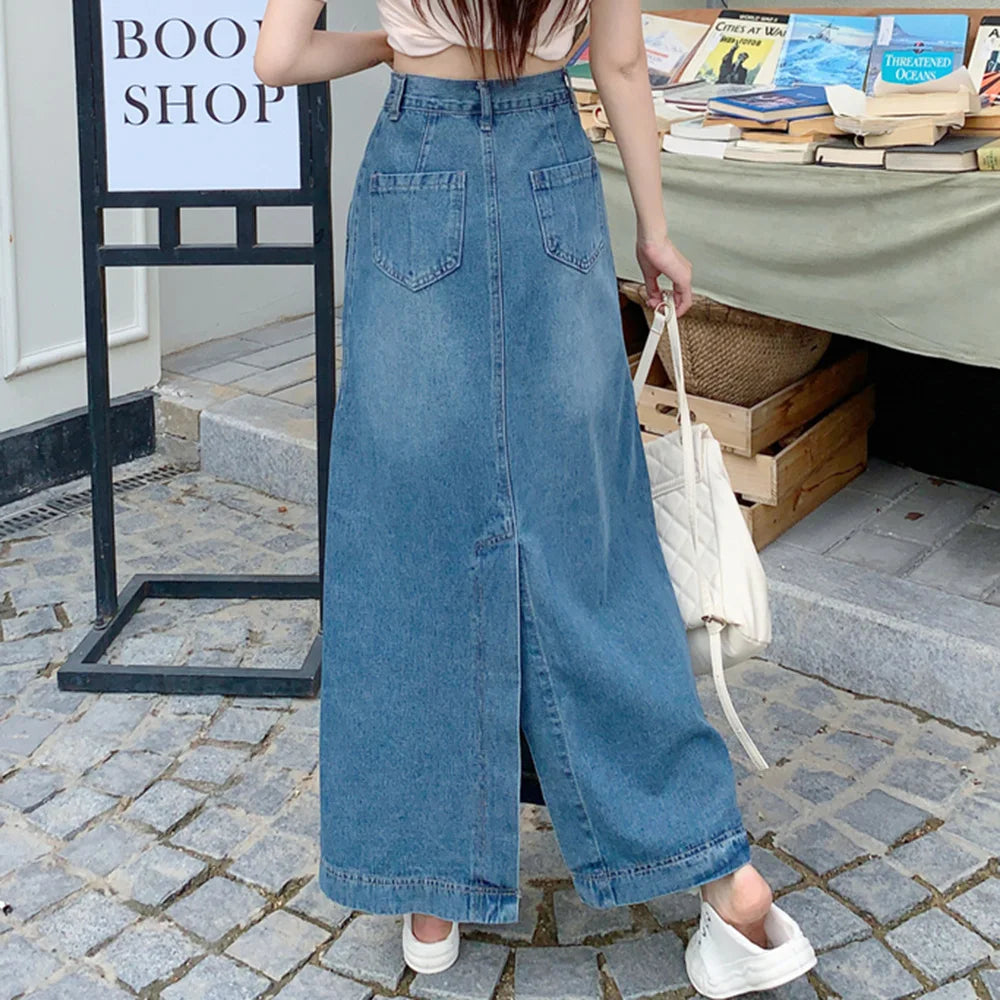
492	559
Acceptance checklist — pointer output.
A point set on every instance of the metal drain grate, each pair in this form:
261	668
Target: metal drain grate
66	503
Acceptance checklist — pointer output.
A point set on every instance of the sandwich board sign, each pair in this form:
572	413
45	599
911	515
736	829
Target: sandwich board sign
170	116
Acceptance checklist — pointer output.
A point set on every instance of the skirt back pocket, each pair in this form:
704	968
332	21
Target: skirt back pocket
417	224
570	209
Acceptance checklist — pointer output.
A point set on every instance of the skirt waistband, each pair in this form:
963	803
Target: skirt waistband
473	96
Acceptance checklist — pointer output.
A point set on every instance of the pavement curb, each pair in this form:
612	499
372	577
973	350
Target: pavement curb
885	636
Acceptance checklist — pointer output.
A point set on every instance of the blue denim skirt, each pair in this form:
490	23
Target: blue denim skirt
491	559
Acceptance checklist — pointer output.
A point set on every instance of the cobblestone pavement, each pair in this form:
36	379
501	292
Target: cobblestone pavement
165	847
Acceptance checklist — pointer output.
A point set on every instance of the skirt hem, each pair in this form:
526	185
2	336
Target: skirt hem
717	857
440	897
484	904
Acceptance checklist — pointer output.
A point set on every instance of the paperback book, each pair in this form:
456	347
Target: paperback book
697	96
787	104
713	148
989	155
986	118
984	64
914	48
953	154
842	152
696	128
740	48
763	152
786	138
953	96
912	131
826	49
669	41
780	125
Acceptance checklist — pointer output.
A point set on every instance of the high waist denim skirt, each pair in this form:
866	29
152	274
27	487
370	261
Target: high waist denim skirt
491	561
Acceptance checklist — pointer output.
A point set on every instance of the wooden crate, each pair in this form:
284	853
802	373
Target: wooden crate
748	430
845	434
779	471
784	455
766	521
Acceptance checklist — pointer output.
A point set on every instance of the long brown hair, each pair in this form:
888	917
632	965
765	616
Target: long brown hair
513	22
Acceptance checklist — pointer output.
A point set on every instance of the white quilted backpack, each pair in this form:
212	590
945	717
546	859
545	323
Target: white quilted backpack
717	575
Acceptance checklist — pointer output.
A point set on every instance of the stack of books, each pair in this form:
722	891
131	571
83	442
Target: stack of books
700	137
775	126
779	126
771	87
951	154
908	126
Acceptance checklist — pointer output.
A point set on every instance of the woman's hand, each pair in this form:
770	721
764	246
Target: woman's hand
660	256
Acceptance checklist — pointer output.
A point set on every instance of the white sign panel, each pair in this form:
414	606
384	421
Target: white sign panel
184	109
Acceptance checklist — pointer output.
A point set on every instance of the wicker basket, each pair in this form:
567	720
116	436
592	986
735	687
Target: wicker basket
740	357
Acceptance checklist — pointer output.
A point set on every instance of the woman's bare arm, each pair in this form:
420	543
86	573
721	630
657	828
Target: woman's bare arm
618	63
290	50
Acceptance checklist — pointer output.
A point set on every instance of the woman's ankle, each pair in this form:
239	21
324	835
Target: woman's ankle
742	899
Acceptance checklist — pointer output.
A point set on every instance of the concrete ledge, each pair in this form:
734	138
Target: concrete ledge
264	443
180	400
881	635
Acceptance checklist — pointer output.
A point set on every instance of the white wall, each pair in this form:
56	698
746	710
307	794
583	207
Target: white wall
42	370
200	304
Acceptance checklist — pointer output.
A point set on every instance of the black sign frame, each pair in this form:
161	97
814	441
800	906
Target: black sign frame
82	670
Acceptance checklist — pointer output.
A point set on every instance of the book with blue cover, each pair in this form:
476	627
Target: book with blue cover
826	50
784	104
914	48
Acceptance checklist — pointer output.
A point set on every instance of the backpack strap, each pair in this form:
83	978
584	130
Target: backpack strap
715	627
714	623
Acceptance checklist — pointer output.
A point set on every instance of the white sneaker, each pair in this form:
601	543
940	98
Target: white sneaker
429	956
721	962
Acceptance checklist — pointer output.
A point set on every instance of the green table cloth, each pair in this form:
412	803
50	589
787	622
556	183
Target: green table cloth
909	260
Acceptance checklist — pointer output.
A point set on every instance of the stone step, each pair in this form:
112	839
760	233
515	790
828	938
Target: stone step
258	441
243	408
264	443
878	634
892	588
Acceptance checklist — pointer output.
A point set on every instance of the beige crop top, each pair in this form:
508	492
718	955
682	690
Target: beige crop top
408	34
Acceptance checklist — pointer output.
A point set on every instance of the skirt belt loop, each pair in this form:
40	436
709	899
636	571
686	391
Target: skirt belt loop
399	85
485	105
